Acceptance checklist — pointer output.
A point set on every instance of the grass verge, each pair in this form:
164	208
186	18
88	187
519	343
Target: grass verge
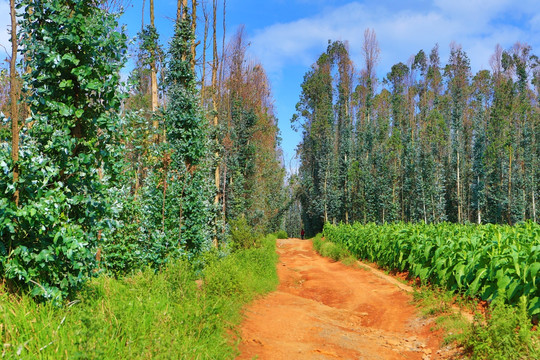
164	315
332	250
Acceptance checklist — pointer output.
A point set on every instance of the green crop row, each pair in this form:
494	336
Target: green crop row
485	261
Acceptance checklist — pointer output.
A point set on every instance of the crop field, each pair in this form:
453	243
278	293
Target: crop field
484	261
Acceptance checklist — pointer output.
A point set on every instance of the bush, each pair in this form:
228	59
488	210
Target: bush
329	249
282	234
242	235
506	334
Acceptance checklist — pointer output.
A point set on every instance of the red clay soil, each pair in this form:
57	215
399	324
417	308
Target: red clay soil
326	310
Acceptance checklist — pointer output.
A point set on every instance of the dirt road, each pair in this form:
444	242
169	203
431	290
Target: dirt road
326	310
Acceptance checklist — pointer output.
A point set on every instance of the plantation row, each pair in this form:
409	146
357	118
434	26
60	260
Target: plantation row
487	261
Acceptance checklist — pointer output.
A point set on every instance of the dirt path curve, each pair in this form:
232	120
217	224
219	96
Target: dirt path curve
326	310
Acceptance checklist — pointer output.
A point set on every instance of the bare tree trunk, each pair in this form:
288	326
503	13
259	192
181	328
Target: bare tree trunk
224	215
510	186
153	78
142	17
533	206
203	77
193	29
424	203
13	98
325	197
478	211
223	41
458	190
179	11
166	161
433	208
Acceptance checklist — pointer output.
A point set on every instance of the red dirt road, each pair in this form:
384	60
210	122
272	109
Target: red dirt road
326	310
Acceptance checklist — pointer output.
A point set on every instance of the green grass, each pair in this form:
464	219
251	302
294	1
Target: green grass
149	315
332	250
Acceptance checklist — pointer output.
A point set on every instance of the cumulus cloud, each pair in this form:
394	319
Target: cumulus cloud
478	25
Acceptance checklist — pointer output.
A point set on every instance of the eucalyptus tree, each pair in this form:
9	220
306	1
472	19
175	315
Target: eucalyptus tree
188	147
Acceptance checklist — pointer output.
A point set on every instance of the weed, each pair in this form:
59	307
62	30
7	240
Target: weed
505	334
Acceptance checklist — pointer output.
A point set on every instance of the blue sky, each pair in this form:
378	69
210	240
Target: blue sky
287	36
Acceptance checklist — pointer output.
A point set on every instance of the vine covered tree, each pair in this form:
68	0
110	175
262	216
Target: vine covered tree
67	156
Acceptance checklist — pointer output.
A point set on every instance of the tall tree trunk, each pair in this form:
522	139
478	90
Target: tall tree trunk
193	29
325	196
179	11
142	17
166	161
203	77
458	190
153	77
424	203
223	42
215	109
13	98
478	210
509	186
224	212
533	206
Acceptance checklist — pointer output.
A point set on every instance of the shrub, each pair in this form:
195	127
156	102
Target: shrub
282	234
329	249
242	235
506	334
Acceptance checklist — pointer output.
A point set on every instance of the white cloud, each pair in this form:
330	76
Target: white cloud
478	25
5	22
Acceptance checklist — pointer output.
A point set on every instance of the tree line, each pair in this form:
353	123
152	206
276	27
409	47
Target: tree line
427	143
100	176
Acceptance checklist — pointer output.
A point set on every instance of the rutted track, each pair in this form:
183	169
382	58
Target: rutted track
325	310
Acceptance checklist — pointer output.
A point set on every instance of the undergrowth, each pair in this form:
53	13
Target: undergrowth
164	315
502	332
506	334
332	250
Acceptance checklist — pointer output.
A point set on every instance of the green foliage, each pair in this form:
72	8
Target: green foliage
282	234
435	144
67	158
146	315
188	149
336	252
506	334
502	332
242	234
327	131
487	261
150	49
186	127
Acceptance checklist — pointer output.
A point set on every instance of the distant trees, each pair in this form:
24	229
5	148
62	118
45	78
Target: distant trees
434	144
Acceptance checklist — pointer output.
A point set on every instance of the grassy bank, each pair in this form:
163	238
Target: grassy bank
165	315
